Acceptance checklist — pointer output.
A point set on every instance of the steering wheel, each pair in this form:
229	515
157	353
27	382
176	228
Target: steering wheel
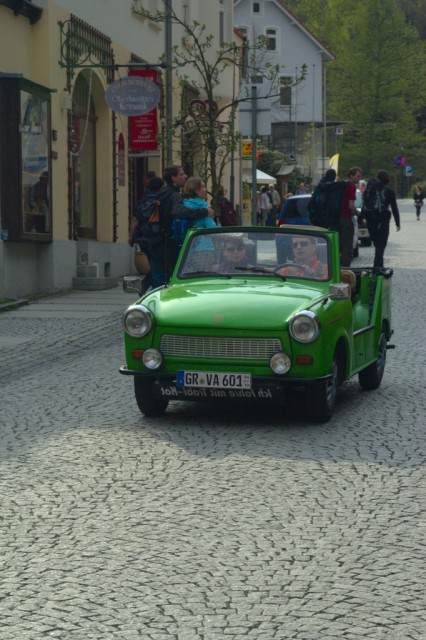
290	264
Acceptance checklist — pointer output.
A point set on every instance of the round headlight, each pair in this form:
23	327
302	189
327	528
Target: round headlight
137	321
305	327
152	359
280	363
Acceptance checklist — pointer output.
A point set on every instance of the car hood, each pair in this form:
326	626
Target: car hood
240	305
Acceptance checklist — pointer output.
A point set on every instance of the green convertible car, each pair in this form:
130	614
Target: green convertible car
258	314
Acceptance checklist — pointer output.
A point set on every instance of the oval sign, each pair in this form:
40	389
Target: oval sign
132	96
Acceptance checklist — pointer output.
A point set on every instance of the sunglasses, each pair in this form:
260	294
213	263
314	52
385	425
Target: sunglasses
302	243
234	249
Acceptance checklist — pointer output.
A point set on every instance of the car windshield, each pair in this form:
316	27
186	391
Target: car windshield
245	253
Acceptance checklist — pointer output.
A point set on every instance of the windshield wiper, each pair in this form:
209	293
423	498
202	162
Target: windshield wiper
204	273
272	272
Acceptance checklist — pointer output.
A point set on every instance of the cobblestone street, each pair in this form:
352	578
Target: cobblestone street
213	521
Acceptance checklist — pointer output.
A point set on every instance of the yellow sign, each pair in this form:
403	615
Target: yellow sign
246	148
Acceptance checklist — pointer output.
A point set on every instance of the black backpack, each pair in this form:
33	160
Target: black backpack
228	215
148	232
374	200
325	204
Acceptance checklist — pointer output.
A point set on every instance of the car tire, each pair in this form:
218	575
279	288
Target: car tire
371	377
149	406
321	395
355	252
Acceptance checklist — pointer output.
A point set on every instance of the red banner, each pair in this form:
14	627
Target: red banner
144	128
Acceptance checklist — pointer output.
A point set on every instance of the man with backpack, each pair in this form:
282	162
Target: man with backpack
332	206
145	230
376	200
164	255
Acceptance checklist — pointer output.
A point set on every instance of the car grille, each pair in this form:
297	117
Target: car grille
228	348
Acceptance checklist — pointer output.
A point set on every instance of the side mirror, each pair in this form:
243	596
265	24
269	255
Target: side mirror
132	284
340	291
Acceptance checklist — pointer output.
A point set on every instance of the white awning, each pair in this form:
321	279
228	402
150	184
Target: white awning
261	177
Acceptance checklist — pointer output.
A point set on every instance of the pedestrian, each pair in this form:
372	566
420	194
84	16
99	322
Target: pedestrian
264	204
194	195
329	176
301	189
228	215
141	259
276	205
258	216
347	210
163	257
418	200
377	190
146	178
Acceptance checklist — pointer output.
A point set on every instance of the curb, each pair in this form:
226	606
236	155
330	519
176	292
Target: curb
13	303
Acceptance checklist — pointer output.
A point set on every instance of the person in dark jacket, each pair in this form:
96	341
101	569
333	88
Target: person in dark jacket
163	257
378	226
418	198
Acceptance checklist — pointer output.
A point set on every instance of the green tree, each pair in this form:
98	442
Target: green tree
379	97
374	85
415	12
271	160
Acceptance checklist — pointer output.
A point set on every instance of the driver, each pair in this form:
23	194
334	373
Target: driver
306	262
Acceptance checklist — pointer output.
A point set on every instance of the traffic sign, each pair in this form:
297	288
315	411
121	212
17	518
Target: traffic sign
408	170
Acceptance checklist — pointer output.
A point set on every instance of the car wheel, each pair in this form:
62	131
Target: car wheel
149	406
371	377
355	252
321	396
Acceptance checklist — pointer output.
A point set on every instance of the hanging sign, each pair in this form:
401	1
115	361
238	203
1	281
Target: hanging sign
246	148
132	96
143	129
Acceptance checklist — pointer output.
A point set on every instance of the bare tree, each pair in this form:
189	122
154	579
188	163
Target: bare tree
205	124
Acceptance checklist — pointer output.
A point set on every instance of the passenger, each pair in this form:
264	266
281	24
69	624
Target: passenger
233	255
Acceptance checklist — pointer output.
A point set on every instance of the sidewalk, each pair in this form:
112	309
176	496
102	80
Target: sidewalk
73	304
73	320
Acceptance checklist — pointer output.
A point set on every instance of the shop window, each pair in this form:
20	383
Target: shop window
25	192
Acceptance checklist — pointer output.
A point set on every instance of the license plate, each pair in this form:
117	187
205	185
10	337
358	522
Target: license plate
213	380
363	232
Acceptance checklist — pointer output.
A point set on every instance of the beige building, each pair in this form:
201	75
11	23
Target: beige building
70	167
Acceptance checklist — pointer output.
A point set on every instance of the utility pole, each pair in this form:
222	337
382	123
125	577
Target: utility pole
254	155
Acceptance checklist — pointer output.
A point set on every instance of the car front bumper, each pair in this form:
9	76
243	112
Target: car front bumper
164	385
